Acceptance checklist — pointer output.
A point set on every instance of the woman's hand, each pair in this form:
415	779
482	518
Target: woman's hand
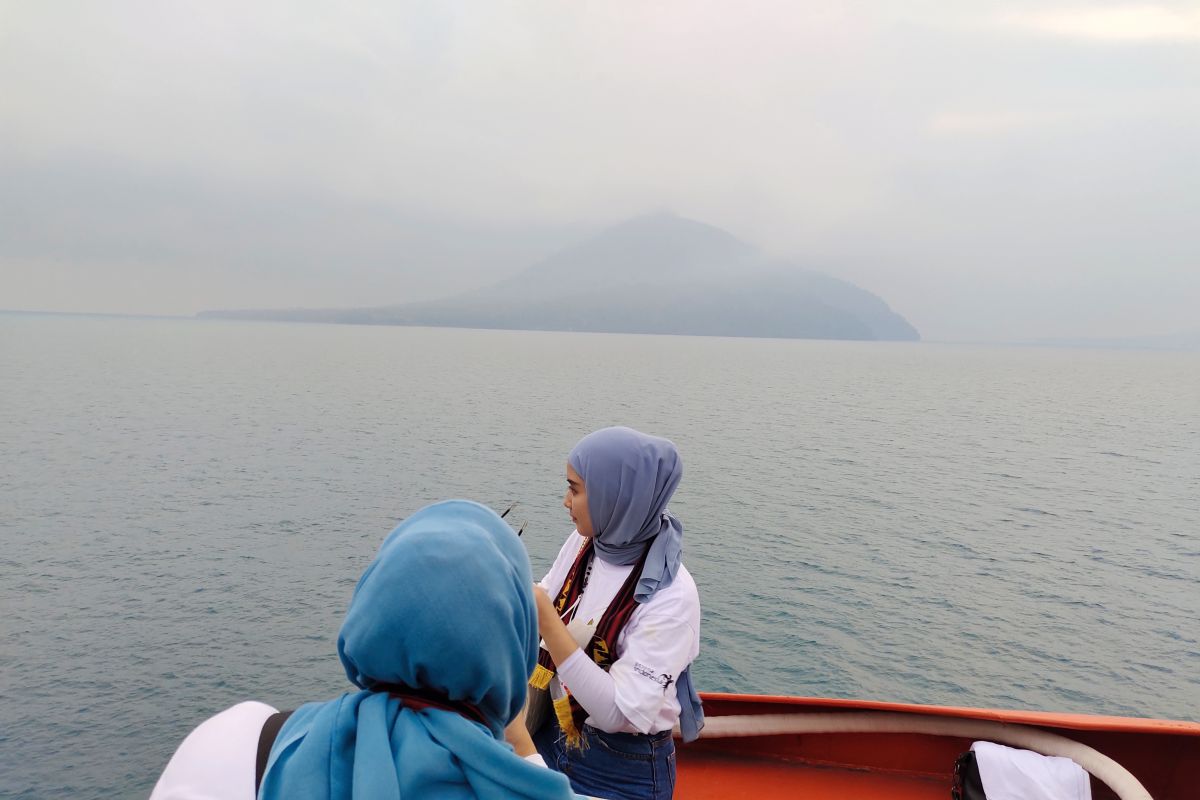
554	633
545	609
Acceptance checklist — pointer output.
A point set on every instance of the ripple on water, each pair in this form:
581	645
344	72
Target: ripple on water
906	524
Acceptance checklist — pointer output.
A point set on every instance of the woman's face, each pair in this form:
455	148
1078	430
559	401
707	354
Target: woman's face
576	503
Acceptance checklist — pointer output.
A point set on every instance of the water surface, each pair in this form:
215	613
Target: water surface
187	505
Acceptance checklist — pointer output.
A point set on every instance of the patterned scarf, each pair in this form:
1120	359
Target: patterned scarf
600	648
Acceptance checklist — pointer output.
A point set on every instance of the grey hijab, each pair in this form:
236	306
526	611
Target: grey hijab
630	477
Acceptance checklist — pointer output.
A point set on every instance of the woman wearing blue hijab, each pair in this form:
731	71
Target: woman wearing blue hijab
620	618
439	640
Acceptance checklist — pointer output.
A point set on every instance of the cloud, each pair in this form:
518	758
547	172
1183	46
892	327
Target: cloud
222	154
988	123
1128	23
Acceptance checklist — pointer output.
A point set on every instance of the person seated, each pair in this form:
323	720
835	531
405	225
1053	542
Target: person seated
440	639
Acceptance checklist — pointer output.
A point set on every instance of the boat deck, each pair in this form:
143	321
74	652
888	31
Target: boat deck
1163	754
705	774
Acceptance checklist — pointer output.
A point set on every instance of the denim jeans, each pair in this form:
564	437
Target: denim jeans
615	766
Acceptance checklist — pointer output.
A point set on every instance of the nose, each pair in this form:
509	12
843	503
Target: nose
567	499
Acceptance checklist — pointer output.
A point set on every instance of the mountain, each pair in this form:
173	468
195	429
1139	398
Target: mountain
652	274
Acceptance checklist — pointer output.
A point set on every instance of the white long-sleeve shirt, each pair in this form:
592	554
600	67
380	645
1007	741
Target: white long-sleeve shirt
662	637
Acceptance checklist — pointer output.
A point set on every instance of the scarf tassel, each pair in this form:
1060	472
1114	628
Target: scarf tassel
540	678
566	721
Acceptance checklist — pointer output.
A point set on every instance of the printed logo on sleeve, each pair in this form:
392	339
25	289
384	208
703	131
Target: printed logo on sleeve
663	680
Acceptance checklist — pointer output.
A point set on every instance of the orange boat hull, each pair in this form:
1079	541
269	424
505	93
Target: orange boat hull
1164	755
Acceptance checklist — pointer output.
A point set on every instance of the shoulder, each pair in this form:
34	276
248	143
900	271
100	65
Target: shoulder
571	546
234	722
217	758
562	562
684	583
570	549
681	590
679	600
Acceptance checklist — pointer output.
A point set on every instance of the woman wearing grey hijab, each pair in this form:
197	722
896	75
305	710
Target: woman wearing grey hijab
619	616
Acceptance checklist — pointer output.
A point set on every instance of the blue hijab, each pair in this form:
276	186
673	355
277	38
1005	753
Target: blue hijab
630	477
445	606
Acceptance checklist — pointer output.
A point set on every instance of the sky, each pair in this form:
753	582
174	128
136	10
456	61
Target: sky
996	171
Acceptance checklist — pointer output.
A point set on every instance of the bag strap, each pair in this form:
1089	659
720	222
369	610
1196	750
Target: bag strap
968	785
266	740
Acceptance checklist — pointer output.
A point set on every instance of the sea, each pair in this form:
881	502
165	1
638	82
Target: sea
185	506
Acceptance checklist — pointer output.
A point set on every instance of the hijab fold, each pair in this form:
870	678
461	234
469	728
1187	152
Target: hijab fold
445	606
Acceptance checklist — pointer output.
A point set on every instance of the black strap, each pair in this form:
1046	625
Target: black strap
968	785
266	740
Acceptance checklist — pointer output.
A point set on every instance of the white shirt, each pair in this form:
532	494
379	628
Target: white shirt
217	760
1011	774
660	640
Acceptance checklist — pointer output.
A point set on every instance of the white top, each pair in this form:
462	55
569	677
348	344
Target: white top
217	760
1011	774
660	640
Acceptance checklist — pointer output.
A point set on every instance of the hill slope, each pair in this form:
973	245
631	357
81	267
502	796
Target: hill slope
653	274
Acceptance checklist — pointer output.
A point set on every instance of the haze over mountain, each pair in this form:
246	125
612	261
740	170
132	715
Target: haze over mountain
653	274
1001	171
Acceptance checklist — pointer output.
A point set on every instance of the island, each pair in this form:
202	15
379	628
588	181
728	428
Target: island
655	274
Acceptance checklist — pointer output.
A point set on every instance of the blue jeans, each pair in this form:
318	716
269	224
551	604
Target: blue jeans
615	766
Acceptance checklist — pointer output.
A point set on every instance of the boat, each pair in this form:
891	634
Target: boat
757	746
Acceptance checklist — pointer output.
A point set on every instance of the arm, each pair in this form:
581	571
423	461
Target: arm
654	654
631	694
595	690
588	683
518	736
654	651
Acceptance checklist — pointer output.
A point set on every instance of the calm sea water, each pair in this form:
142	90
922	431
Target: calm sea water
187	505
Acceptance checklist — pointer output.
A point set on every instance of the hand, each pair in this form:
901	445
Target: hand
545	609
554	633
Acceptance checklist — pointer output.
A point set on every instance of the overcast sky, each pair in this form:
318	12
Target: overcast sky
994	170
